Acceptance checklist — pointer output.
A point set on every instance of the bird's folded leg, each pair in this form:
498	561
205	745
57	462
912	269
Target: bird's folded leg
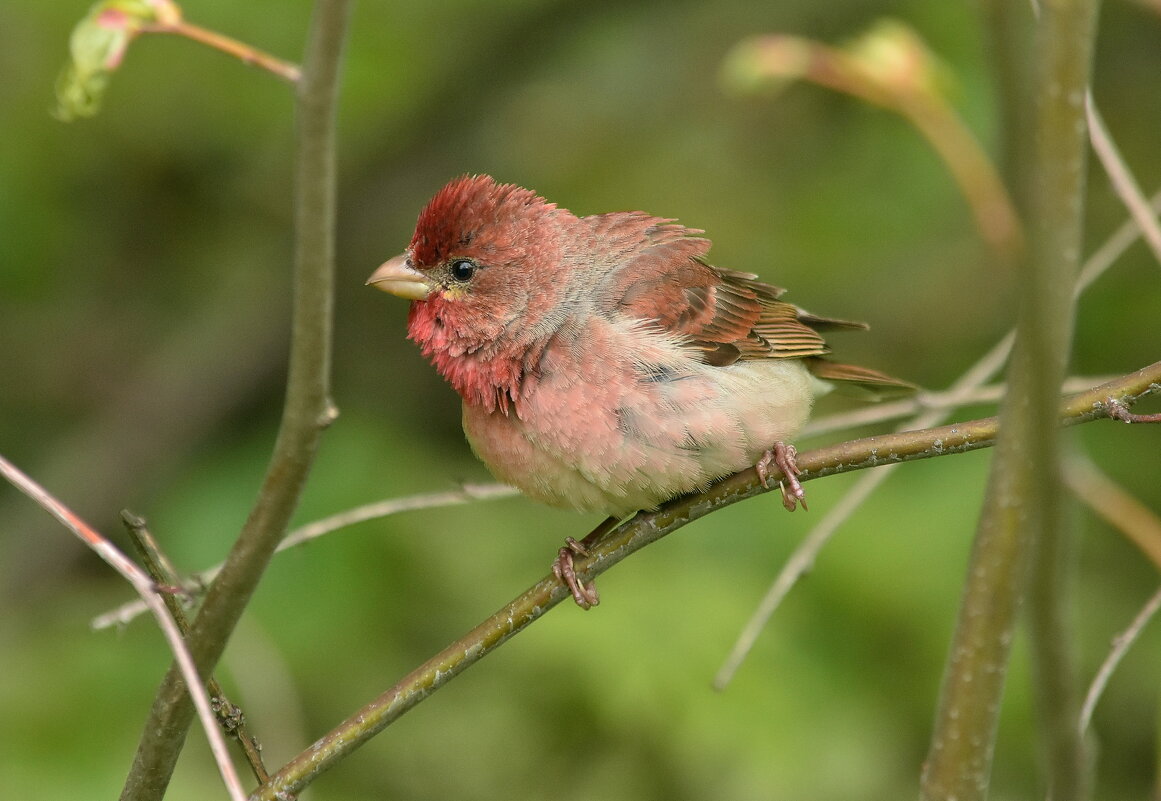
782	456
585	595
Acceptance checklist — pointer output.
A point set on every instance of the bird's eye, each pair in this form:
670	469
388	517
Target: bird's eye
462	269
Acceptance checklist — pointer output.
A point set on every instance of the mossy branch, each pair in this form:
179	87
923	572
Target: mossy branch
648	527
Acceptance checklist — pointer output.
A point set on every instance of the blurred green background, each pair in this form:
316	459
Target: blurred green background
144	262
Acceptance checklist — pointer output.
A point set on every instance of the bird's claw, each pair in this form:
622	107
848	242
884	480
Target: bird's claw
585	595
783	456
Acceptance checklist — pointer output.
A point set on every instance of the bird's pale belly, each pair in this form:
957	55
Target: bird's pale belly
622	446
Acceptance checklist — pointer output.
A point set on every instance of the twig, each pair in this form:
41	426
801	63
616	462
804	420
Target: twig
306	412
644	529
1113	248
161	570
245	53
466	493
1122	178
1118	508
889	66
953	398
798	565
1121	644
145	588
1142	526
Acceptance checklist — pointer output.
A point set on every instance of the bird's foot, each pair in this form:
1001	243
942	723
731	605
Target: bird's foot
783	456
1119	411
585	595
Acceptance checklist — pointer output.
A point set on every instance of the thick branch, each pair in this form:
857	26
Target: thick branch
306	412
1022	507
646	528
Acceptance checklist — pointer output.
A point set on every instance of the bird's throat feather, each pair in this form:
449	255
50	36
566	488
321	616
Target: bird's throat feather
489	378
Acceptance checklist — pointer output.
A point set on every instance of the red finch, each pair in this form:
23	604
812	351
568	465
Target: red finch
604	364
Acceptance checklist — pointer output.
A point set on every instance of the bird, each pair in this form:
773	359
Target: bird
604	364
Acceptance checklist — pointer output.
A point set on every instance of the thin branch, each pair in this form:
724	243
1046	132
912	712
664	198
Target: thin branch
146	589
1142	526
644	529
1113	248
1121	644
805	554
307	410
245	53
954	398
1118	508
166	579
1122	178
800	563
466	493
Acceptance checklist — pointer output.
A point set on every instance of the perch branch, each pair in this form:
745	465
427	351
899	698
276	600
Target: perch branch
646	528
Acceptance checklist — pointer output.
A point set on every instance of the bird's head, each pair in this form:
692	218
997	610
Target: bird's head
482	268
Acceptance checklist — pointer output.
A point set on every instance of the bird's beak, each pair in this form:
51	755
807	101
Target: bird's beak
398	277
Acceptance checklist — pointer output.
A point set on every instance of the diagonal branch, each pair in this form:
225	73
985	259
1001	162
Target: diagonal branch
166	579
196	582
148	592
246	53
646	528
1121	645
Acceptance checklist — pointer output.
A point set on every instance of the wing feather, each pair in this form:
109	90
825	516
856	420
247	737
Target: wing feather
722	315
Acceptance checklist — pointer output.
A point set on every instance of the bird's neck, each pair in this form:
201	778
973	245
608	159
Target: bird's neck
487	377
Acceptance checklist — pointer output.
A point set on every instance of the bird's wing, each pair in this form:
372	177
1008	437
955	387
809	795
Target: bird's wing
726	315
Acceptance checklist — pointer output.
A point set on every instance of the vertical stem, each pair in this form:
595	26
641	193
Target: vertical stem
1057	206
1021	511
306	412
1054	665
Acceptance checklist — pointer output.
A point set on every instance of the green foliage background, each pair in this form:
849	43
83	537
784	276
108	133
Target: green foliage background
144	262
